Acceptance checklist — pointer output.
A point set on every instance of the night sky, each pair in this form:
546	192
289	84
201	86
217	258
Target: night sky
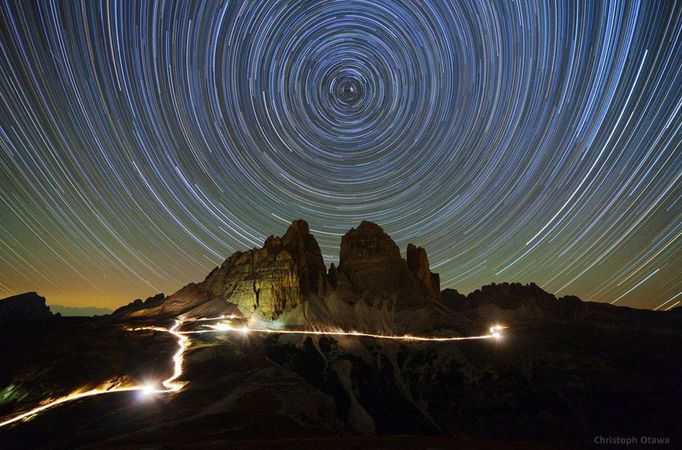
142	143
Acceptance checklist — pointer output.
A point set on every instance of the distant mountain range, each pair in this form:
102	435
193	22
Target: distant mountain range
31	306
80	311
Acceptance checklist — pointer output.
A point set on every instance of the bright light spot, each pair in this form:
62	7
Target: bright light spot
148	390
222	326
496	331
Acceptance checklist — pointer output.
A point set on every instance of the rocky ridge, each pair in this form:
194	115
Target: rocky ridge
286	283
287	280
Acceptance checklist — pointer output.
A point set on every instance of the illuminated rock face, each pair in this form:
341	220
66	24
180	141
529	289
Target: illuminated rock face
276	278
290	271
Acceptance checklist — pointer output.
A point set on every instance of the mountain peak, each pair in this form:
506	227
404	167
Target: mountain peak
367	240
370	226
289	271
271	280
307	255
418	263
298	227
371	264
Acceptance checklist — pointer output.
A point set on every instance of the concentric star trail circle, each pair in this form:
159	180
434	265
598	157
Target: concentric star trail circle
143	142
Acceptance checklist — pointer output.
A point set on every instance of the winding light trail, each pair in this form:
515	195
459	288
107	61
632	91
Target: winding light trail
29	414
171	384
494	333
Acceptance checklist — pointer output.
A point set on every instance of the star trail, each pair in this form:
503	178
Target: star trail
141	143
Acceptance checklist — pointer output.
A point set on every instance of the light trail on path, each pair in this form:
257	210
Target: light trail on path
225	327
171	384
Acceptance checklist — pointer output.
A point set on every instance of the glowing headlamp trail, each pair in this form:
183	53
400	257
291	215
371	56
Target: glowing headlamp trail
171	384
495	333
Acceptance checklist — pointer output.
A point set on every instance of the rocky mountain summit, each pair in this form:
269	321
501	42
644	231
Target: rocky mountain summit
268	281
373	288
287	280
371	269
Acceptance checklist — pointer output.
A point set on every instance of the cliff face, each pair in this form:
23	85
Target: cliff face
418	263
274	279
370	260
289	273
372	270
310	266
24	307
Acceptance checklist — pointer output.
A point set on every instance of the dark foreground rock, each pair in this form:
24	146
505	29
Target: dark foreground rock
545	384
24	307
